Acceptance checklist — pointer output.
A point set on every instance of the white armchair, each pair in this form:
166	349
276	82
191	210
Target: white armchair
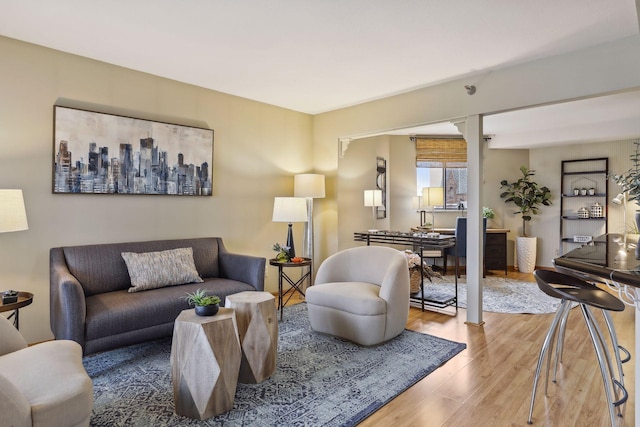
361	294
42	385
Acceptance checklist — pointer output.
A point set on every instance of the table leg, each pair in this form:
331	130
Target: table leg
280	296
16	318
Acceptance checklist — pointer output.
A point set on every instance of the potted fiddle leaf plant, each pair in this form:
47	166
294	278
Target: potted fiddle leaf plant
205	304
529	197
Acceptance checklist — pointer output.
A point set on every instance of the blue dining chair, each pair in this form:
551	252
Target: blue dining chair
460	249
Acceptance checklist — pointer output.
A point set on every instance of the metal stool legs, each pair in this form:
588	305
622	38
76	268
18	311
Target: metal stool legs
547	345
614	387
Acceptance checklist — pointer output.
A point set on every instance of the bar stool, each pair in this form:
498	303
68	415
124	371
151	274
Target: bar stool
572	290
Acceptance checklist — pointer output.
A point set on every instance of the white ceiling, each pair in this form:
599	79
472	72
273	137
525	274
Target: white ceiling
315	56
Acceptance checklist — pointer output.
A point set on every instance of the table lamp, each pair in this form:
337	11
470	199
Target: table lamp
433	196
290	210
310	186
373	199
13	216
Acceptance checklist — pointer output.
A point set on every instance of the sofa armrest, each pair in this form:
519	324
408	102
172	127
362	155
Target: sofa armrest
68	309
243	268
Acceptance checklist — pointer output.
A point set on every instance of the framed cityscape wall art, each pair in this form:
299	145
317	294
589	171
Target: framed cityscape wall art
99	153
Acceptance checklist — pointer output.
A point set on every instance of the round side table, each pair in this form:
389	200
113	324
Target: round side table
24	299
296	285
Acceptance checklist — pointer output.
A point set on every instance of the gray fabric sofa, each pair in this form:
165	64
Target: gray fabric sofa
90	303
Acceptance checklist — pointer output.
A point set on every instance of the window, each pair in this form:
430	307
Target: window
443	162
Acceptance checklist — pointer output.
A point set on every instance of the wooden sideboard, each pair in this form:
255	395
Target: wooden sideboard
495	254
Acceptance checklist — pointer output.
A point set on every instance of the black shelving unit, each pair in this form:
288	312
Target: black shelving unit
584	202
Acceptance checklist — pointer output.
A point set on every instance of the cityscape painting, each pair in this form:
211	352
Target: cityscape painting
102	153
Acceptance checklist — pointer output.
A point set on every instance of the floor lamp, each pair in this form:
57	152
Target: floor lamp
373	199
290	210
310	186
433	196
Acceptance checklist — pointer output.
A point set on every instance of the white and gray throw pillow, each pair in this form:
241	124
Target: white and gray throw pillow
151	270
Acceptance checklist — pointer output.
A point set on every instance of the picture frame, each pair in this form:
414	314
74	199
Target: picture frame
101	153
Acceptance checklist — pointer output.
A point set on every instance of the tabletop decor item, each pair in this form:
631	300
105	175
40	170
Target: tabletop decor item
415	276
206	305
283	252
488	212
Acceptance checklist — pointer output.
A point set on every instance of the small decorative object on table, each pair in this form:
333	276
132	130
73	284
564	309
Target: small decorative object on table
9	297
283	253
206	305
415	277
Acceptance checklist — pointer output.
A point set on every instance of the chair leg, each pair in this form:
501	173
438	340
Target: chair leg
544	352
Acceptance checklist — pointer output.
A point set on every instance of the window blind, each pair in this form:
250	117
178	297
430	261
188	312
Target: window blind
441	152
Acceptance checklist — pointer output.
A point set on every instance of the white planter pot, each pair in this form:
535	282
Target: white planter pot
526	254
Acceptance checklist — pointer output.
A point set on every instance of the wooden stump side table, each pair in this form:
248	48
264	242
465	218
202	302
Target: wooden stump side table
258	331
205	361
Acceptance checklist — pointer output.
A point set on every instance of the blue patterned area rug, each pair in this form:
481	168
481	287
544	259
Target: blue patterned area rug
499	295
319	381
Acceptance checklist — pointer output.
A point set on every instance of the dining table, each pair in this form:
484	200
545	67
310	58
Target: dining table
614	260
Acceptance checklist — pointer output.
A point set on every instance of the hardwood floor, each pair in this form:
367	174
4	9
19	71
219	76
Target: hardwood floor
489	383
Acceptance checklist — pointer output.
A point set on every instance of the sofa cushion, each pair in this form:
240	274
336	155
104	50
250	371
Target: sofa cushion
354	297
150	270
119	312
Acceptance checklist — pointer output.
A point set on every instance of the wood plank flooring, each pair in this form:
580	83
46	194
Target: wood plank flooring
489	383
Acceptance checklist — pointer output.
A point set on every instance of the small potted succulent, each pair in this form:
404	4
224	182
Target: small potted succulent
206	305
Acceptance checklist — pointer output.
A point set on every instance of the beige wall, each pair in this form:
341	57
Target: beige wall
257	149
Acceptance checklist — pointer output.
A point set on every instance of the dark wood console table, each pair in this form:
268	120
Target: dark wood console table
418	242
495	254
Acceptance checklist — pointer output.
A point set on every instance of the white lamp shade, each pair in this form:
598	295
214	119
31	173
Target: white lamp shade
433	196
289	209
13	216
619	199
373	197
308	185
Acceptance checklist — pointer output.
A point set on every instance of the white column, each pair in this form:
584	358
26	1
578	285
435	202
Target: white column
471	129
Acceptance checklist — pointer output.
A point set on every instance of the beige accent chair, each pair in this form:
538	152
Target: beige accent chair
42	385
361	294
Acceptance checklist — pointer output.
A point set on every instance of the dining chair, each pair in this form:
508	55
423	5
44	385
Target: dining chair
460	249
